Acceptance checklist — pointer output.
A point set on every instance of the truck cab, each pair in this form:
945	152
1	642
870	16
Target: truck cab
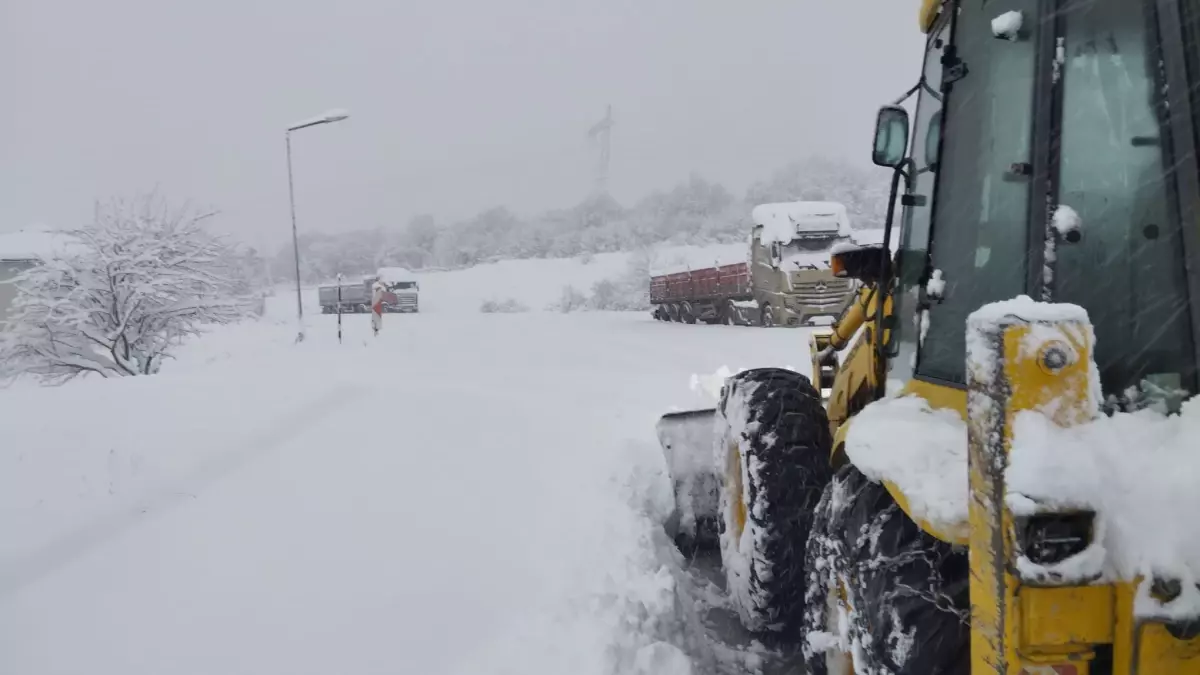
403	289
790	245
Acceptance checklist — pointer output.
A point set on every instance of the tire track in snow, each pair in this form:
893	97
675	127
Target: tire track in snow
25	569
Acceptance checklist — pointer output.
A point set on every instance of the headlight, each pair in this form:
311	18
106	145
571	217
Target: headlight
1165	590
1050	538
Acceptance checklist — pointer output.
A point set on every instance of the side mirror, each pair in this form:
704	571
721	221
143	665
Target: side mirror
891	136
858	262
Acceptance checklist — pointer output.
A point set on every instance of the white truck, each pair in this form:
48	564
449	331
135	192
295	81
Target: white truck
404	291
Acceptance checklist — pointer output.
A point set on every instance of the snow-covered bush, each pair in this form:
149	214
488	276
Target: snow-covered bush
572	299
629	292
617	296
507	306
139	280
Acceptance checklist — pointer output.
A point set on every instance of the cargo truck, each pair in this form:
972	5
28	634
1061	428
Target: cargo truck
784	281
402	294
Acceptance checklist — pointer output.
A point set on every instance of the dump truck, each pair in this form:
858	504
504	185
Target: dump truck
353	297
783	280
401	294
913	504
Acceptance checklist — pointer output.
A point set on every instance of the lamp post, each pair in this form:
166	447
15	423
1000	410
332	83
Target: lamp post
327	118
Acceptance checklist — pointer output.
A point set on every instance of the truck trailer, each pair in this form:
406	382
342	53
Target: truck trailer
785	280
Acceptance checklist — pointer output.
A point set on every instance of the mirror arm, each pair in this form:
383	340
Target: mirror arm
911	90
884	281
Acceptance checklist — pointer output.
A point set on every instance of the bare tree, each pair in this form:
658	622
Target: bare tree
134	283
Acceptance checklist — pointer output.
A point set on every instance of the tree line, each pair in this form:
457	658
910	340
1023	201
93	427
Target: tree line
693	212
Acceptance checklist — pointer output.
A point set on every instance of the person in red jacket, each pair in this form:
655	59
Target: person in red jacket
377	291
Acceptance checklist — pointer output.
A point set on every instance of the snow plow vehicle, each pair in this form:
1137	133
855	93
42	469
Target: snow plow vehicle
971	480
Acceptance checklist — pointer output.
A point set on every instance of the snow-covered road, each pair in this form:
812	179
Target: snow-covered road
466	494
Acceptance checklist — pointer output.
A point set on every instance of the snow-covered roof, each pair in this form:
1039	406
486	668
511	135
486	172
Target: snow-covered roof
784	221
392	275
31	243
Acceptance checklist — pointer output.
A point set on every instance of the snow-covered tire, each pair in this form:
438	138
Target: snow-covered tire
687	313
766	316
772	461
673	312
729	314
904	602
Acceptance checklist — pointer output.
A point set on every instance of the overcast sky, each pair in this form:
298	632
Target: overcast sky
456	105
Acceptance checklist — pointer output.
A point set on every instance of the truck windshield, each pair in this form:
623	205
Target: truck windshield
814	243
404	285
802	254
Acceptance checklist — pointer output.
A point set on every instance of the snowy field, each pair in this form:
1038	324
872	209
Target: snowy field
469	493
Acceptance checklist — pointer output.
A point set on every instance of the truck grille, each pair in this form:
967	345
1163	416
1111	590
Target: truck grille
826	294
406	301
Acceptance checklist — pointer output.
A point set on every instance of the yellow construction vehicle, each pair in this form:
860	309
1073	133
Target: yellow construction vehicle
1052	154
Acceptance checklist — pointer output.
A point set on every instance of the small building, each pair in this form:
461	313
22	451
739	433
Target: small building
20	251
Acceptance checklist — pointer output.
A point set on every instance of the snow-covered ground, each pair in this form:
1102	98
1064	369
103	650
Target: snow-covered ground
468	493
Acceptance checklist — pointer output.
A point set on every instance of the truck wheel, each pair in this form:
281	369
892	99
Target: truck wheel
728	315
766	317
904	594
773	464
686	313
672	312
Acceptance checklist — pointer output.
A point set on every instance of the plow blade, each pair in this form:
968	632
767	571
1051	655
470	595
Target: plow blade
687	440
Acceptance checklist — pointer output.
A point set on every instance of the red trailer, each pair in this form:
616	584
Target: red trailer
705	294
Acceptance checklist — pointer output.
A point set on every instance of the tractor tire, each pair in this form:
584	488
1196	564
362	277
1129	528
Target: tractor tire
766	316
772	463
881	589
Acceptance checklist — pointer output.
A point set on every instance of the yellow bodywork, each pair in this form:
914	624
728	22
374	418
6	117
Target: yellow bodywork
856	376
856	382
929	13
1018	628
1014	626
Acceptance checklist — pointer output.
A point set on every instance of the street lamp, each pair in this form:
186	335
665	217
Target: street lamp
329	117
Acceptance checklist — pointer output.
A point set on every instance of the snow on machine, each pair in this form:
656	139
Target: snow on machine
969	480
